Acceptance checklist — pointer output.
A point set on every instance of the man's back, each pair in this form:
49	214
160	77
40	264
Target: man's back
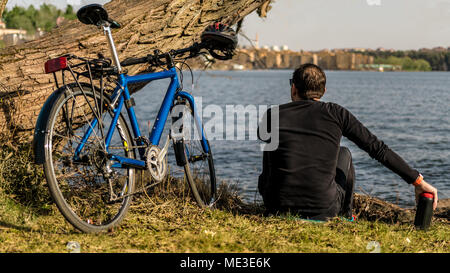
303	168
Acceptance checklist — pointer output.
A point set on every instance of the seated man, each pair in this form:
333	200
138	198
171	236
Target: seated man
309	174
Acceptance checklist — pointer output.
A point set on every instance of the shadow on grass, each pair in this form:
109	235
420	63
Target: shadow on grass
7	225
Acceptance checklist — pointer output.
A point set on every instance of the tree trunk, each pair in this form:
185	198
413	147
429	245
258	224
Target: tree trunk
2	6
146	25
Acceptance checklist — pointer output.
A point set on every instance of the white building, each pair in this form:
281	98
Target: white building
275	48
11	36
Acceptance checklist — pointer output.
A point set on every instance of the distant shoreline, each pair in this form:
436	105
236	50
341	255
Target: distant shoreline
353	60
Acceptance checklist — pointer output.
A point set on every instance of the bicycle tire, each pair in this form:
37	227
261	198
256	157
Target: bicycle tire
88	185
203	196
198	164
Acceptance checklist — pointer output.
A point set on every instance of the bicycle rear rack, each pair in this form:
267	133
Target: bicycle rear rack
94	70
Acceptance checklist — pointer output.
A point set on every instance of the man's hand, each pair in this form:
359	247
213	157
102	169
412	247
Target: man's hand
425	187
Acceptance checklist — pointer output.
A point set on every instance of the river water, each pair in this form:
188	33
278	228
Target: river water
409	111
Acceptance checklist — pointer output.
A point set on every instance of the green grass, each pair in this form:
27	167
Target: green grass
180	226
167	220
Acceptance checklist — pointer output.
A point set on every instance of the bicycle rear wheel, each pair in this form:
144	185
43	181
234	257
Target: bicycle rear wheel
195	155
87	188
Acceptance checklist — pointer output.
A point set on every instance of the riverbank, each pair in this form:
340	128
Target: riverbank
166	219
174	225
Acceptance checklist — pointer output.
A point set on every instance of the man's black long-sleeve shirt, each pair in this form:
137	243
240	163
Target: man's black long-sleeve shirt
300	173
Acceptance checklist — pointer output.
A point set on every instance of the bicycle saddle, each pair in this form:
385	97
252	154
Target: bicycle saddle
95	14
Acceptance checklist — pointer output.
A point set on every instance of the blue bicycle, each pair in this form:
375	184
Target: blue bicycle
88	139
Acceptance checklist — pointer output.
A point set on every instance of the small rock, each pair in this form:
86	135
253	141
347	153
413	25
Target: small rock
73	247
374	246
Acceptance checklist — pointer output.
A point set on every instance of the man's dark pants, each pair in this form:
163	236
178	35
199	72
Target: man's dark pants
345	180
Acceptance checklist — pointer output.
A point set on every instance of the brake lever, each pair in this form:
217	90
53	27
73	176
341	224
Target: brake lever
195	51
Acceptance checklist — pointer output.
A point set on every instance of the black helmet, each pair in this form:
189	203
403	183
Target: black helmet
221	38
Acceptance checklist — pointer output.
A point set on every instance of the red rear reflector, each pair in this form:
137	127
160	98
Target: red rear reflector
54	65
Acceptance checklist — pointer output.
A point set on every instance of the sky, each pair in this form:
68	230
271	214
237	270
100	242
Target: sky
322	24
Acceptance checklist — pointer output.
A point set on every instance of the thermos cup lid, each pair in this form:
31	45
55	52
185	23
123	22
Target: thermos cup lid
427	195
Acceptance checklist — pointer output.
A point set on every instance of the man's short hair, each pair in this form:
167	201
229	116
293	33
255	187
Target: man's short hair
310	81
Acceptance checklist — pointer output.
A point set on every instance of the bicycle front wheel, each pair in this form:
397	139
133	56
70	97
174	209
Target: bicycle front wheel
88	188
194	153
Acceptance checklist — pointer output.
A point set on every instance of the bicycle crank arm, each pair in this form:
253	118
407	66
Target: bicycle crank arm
164	150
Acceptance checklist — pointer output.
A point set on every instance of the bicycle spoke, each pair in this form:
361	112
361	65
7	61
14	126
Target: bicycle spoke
86	186
199	170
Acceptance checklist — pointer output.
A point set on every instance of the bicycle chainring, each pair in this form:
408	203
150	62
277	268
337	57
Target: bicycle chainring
156	163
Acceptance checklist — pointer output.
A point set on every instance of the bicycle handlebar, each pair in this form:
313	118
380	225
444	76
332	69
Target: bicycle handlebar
133	61
156	58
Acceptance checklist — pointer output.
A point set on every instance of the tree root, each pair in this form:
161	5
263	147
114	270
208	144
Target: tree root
374	209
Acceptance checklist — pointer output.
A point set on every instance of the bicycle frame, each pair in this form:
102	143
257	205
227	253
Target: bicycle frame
122	91
121	96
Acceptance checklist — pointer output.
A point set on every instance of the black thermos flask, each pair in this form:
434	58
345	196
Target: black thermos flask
424	211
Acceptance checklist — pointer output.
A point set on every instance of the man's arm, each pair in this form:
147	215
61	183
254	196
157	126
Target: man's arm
355	131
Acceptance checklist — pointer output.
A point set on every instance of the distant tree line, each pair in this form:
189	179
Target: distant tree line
31	19
423	59
407	63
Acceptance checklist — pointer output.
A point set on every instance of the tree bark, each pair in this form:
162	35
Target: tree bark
2	6
146	25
